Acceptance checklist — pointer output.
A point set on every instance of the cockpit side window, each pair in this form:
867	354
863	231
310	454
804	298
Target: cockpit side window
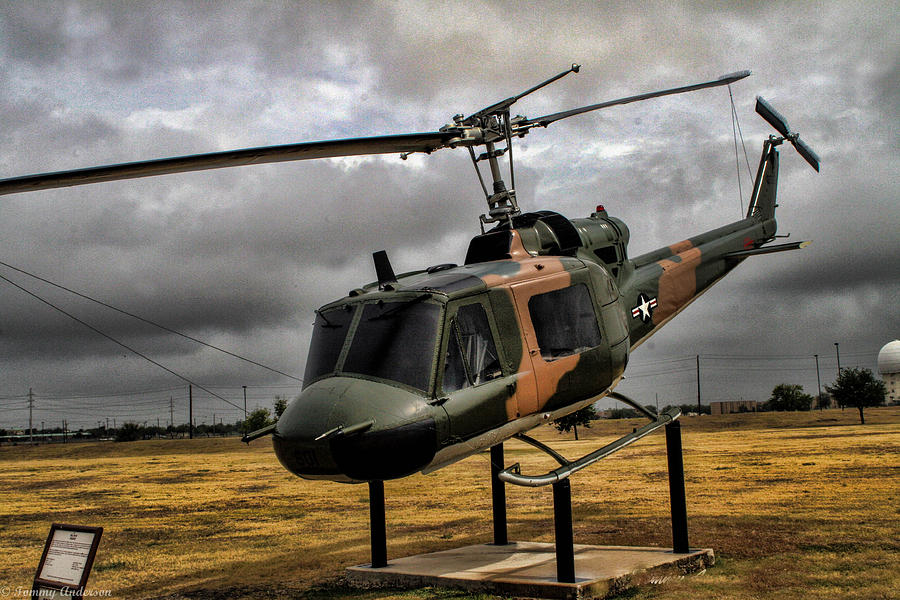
472	357
329	332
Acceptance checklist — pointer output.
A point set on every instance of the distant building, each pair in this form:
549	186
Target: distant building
889	368
733	406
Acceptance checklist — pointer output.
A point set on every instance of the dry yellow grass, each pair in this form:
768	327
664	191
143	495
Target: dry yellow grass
795	505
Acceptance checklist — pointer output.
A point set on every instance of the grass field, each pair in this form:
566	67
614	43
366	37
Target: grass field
796	505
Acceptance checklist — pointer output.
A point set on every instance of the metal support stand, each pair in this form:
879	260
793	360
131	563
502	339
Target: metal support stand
562	521
377	525
676	488
498	496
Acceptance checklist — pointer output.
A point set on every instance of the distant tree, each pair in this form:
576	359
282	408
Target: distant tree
129	432
859	388
579	417
787	396
259	418
280	405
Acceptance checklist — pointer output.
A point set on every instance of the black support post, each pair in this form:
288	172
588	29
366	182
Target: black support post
562	521
676	488
498	496
377	525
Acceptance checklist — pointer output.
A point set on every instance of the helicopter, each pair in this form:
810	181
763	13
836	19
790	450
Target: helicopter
415	371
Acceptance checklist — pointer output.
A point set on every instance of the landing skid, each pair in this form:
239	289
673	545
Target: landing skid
514	475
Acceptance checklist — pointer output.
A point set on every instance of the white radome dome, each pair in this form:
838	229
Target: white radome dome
889	358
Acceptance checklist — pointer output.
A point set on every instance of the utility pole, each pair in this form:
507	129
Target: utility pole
837	349
30	410
171	413
65	432
190	411
819	382
699	411
244	424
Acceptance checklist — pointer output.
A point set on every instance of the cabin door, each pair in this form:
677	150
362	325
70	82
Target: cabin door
561	331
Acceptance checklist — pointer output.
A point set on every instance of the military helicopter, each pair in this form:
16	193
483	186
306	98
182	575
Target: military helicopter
415	371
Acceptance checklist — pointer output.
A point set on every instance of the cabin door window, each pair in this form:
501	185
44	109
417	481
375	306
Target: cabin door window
564	321
472	357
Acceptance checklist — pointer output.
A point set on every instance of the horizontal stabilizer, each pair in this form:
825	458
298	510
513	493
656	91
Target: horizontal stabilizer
767	249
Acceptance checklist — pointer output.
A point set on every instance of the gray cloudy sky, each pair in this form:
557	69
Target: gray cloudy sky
241	257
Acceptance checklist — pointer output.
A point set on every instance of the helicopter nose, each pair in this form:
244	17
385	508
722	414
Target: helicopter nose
349	429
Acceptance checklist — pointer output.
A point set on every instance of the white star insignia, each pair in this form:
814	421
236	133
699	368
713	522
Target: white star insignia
644	308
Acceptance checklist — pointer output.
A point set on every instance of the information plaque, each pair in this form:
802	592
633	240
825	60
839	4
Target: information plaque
67	559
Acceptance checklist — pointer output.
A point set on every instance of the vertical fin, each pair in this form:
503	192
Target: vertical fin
762	204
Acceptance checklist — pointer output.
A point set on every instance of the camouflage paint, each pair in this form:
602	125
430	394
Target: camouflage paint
424	430
678	282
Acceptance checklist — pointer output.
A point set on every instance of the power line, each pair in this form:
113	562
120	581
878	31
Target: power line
148	321
114	340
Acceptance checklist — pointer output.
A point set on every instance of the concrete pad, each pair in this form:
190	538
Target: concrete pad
528	569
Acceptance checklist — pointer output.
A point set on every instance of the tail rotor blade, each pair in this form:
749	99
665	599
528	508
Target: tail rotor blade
806	152
771	115
776	120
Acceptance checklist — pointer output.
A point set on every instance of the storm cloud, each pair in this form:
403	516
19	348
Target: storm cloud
242	257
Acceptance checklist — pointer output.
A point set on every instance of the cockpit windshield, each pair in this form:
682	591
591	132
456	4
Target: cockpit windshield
396	341
392	340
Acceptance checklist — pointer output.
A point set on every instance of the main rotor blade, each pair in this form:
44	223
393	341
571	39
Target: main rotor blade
547	119
775	119
386	144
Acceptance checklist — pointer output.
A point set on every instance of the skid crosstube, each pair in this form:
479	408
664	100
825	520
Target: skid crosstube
514	475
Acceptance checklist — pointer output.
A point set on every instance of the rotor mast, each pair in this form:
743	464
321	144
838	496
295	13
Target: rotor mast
493	124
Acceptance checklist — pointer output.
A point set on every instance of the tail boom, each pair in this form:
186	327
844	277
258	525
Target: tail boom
664	282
